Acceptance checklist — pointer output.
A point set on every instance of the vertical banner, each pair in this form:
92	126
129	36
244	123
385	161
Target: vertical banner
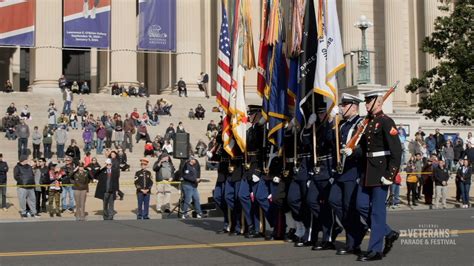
17	22
86	23
157	25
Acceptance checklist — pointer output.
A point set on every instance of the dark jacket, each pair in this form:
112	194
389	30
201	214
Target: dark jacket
143	180
93	169
75	153
68	172
440	175
23	175
102	184
464	177
191	174
3	172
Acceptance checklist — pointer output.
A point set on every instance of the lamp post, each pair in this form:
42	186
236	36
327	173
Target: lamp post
364	57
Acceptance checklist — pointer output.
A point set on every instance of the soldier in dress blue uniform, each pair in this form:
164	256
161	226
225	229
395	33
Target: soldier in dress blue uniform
253	166
319	185
383	151
297	190
223	157
231	192
344	190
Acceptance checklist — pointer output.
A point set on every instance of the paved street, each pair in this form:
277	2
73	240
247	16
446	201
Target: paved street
193	242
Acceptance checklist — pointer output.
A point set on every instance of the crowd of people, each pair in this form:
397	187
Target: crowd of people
59	181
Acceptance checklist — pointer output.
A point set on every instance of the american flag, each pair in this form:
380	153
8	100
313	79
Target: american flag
224	81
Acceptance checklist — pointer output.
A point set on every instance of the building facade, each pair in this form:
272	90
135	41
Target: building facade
394	42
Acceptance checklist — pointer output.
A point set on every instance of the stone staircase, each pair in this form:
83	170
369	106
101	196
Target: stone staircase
96	104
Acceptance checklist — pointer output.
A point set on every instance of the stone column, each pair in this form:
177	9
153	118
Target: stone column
47	62
351	38
94	66
152	73
124	42
394	48
431	12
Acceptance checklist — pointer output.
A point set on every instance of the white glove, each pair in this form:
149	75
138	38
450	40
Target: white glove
312	119
308	183
209	154
276	179
346	151
291	124
331	180
385	181
261	121
255	178
186	171
335	111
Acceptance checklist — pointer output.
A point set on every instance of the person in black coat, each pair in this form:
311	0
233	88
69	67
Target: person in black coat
74	152
463	176
3	182
441	177
107	188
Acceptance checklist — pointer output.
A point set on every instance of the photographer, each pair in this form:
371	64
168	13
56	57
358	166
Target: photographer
191	178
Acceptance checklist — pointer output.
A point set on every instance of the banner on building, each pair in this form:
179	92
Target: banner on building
86	23
17	22
157	30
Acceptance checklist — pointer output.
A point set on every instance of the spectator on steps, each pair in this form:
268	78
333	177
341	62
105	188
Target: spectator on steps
115	89
22	131
118	131
180	128
170	132
36	138
75	87
85	88
164	171
211	129
142	133
11	109
62	83
191	114
199	112
122	158
74	152
25	113
143	91
73	120
87	137
129	130
182	90
60	136
67	97
47	142
101	133
8	86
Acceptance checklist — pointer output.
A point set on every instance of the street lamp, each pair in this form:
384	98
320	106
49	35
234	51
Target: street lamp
364	59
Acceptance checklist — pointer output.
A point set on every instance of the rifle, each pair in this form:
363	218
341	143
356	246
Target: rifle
362	126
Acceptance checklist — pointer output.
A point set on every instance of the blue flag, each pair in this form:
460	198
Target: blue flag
278	102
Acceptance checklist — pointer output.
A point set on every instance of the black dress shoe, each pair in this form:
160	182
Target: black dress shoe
299	242
372	256
347	251
235	233
389	240
324	246
223	231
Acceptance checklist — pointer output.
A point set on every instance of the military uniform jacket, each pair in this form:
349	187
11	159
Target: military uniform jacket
383	150
255	155
143	180
304	165
352	164
325	148
236	163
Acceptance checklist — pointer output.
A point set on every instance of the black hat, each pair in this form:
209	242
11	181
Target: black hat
321	108
252	108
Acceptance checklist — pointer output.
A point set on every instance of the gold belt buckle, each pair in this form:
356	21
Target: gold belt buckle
231	168
247	166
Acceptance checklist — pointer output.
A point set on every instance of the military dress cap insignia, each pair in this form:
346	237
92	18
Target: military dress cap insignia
322	108
393	131
347	98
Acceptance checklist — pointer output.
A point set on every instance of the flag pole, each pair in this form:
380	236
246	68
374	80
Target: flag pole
315	154
339	166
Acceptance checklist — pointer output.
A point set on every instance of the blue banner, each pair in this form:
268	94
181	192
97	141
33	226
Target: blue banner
86	23
157	29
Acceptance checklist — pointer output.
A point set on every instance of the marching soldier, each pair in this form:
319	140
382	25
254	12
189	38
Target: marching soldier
297	190
321	179
231	192
252	172
223	157
383	151
342	197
